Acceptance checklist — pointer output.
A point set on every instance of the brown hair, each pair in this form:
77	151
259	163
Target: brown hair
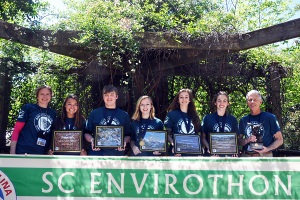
38	89
192	112
215	98
109	88
78	115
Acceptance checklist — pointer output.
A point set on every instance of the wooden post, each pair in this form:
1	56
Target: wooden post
160	100
273	92
5	91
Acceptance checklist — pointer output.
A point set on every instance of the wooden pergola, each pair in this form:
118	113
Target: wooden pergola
208	46
180	54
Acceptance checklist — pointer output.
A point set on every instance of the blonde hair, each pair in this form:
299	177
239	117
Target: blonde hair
137	113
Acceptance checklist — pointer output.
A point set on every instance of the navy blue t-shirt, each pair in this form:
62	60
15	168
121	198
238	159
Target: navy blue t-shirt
137	126
38	123
69	124
175	122
213	123
180	123
108	117
269	126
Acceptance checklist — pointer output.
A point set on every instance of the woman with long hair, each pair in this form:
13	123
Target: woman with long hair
71	118
182	117
143	119
219	121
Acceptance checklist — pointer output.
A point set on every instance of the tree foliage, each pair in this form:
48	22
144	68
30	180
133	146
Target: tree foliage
20	10
292	97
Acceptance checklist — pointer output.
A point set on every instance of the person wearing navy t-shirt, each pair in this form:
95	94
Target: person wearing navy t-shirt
32	130
220	121
144	119
182	118
269	127
109	115
70	118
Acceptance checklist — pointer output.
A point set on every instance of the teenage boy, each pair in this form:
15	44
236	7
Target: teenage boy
109	115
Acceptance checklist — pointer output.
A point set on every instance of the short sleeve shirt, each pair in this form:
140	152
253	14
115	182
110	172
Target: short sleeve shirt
212	123
108	117
37	120
269	126
175	122
138	131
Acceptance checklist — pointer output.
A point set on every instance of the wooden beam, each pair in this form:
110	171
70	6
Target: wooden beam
276	33
185	57
61	41
269	35
207	42
222	42
58	42
214	69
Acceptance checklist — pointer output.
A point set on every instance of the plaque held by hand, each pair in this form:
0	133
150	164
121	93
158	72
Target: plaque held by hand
256	131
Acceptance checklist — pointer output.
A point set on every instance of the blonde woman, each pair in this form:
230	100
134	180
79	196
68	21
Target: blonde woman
143	119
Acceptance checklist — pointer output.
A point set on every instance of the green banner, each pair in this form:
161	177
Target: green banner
71	177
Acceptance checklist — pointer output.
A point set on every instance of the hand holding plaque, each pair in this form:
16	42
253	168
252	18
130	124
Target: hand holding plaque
109	137
67	141
189	144
154	141
256	131
223	143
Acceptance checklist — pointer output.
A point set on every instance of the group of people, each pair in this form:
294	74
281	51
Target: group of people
32	132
